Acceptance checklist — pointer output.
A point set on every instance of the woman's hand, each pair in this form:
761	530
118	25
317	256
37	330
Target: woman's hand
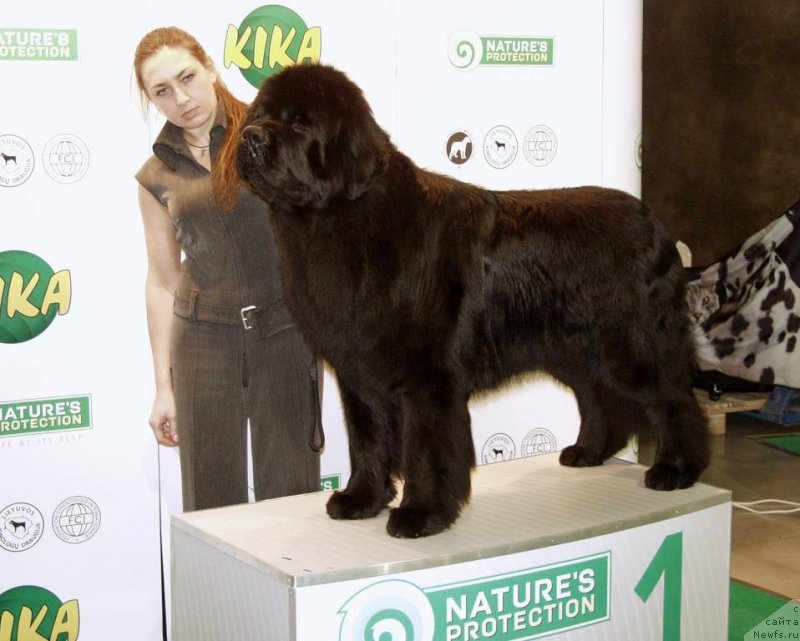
162	419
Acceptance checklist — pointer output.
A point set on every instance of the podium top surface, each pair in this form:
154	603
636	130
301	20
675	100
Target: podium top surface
516	506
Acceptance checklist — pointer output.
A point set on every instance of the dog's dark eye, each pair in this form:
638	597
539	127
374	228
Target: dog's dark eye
299	124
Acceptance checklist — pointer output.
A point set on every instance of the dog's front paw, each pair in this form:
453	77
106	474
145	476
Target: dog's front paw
577	456
410	523
342	505
666	476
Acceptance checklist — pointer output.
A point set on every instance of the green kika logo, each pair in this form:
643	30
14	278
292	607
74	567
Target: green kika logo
270	38
31	613
38	44
31	295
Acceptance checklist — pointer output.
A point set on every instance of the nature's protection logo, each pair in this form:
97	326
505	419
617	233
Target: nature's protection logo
31	294
528	604
330	482
24	418
29	613
38	44
466	50
270	38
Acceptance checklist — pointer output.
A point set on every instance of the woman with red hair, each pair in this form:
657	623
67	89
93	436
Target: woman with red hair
225	349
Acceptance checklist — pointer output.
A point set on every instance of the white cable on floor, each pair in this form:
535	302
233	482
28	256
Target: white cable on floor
746	506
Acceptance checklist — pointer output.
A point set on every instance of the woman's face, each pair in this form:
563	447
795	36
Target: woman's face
180	87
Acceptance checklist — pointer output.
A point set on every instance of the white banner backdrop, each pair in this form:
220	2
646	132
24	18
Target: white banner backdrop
79	498
548	96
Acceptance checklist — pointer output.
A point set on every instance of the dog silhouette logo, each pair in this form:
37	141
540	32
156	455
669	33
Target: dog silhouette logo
459	147
16	160
21	527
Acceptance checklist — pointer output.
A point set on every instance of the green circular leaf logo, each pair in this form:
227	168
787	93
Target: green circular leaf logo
269	39
31	295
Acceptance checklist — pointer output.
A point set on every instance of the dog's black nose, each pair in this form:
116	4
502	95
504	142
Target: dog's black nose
254	134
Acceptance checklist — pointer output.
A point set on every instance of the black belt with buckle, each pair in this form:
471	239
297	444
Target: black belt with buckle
247	313
268	320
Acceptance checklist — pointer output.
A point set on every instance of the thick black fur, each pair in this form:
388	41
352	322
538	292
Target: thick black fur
420	290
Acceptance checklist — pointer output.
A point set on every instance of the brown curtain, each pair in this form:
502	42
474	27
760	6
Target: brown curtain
721	118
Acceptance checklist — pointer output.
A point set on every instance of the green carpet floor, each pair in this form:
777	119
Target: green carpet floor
749	607
789	443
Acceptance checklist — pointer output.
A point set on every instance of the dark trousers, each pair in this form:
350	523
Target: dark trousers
223	375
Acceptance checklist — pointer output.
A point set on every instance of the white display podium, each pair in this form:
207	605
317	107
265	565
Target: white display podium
541	551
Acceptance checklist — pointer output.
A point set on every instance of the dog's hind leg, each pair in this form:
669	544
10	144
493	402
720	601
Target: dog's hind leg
610	416
438	456
372	431
660	383
682	452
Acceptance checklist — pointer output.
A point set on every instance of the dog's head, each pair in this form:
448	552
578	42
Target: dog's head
309	137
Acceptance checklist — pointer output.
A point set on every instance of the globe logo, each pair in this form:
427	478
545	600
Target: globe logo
540	145
66	158
76	519
538	441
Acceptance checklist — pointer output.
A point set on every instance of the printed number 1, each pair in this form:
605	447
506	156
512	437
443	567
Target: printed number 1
668	562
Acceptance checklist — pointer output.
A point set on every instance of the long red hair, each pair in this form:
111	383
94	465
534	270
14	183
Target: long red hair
224	177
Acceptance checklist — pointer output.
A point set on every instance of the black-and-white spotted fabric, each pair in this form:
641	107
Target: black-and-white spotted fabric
745	308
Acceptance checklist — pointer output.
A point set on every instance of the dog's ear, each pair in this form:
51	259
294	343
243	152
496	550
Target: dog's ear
361	148
369	157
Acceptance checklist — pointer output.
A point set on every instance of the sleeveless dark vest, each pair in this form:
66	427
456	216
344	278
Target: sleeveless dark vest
229	258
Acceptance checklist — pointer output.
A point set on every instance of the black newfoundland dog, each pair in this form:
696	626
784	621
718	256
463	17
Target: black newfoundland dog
420	291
